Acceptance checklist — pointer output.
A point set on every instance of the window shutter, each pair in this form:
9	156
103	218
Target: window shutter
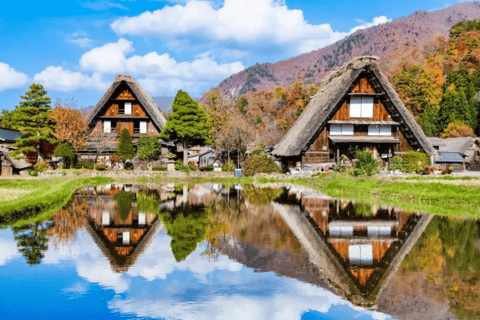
385	130
143	127
355	107
373	130
347	130
107	126
367	107
335	129
128	108
105	218
126	237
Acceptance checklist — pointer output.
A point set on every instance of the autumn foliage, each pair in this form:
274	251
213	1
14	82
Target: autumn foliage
70	125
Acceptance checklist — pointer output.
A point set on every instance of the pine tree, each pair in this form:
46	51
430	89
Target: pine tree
32	118
187	125
125	150
428	120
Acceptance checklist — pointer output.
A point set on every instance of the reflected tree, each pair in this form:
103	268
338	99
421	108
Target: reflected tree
32	240
124	201
186	229
148	201
67	222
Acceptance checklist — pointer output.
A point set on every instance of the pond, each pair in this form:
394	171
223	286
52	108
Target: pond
212	251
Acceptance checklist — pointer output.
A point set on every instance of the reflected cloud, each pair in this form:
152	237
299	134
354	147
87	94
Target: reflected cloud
8	247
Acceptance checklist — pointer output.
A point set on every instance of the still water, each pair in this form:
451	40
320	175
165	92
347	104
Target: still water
237	252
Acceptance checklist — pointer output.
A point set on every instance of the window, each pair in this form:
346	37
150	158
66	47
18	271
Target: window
361	107
143	126
141	218
379	231
105	218
341	129
360	254
107	126
128	108
379	130
126	237
335	231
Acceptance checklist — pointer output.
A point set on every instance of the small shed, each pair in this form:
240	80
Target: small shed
10	166
450	159
466	148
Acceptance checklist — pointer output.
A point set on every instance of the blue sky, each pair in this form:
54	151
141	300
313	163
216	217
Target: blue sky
75	48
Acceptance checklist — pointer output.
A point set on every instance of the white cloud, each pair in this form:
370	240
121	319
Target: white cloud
11	78
109	58
59	79
376	21
82	42
8	247
103	5
242	21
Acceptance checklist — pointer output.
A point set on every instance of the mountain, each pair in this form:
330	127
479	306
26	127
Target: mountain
393	42
164	103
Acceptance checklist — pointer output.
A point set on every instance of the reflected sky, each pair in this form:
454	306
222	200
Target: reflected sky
77	282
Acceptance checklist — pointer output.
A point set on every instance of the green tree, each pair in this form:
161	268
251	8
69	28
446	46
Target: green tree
123	201
187	125
428	120
6	119
32	241
66	151
124	149
148	148
365	164
186	231
32	118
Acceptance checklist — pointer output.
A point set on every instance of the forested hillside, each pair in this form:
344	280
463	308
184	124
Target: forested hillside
440	85
394	42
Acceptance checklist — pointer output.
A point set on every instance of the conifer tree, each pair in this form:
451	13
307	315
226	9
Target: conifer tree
125	150
32	118
187	125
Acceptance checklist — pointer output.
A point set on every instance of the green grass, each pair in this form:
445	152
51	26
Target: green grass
415	195
44	196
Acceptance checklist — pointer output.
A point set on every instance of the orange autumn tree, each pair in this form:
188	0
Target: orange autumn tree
70	124
456	130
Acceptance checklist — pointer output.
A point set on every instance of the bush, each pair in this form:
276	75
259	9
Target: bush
180	167
159	169
42	166
365	164
101	167
397	163
415	161
84	165
228	166
33	172
128	166
260	164
192	166
208	167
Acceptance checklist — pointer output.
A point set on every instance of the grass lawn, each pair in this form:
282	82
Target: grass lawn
32	199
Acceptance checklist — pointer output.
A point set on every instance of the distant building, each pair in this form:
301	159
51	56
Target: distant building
462	153
9	166
355	108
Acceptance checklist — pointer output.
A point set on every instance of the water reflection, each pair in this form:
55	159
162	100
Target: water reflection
252	252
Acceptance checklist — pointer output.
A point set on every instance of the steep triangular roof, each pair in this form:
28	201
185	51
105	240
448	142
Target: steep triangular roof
145	100
332	92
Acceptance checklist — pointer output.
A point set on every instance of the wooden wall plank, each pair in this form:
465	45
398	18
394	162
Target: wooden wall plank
125	95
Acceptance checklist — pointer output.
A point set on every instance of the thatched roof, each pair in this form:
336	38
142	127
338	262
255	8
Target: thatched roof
18	164
145	100
332	93
460	145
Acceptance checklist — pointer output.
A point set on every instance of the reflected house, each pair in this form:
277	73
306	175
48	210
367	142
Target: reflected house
356	247
124	235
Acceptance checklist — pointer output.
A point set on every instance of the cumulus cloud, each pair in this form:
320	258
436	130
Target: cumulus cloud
59	79
8	247
109	58
11	78
103	5
241	21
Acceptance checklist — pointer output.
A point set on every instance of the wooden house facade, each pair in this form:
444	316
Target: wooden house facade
125	105
8	165
355	108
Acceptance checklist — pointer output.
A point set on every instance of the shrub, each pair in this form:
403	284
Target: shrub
128	166
365	164
228	166
208	167
101	167
180	167
159	168
260	164
415	161
84	165
114	159
428	170
42	166
33	172
65	151
443	169
397	163
192	166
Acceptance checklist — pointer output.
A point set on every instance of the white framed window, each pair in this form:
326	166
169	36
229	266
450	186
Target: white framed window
126	237
341	129
361	107
128	108
105	218
141	218
346	231
360	254
379	130
379	231
143	126
107	126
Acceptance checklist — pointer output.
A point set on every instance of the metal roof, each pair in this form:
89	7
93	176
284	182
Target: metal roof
9	135
449	157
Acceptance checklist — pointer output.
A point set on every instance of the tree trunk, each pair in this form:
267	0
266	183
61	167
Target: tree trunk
185	154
